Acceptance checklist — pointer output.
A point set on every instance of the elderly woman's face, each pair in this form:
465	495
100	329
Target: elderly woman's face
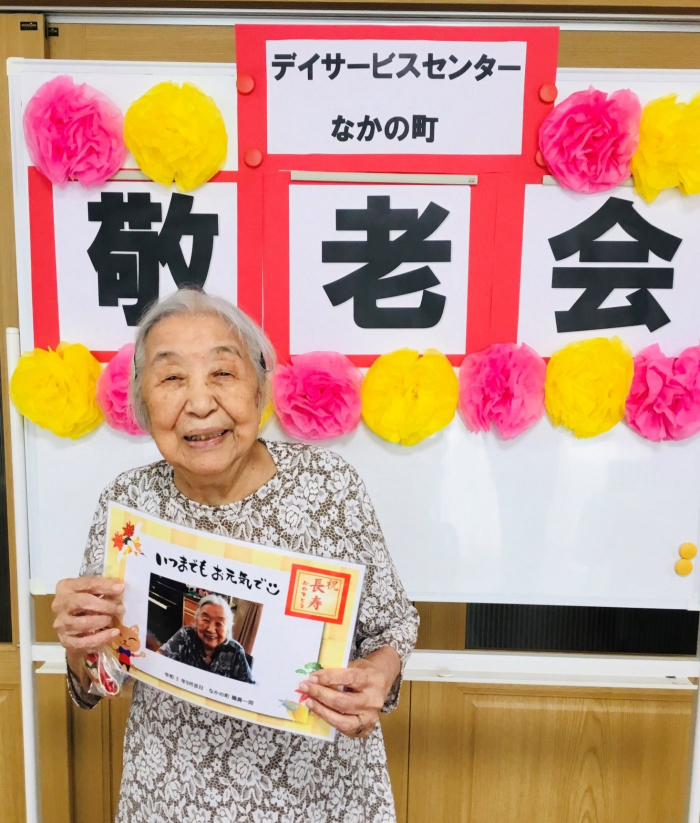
211	626
201	392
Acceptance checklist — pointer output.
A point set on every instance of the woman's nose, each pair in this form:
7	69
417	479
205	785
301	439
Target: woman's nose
201	400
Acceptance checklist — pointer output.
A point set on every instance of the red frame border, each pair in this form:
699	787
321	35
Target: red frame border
44	281
540	69
483	215
298	567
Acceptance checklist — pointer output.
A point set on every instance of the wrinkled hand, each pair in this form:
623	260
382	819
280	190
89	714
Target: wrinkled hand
85	608
366	684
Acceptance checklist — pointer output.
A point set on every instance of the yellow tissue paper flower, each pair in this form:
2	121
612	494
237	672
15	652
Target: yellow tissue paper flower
654	164
587	385
176	133
689	148
266	414
56	389
669	148
406	398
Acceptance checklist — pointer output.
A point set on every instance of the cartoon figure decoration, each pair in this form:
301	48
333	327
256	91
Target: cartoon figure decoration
127	645
125	541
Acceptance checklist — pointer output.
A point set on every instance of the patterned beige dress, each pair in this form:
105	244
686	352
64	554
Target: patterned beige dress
192	765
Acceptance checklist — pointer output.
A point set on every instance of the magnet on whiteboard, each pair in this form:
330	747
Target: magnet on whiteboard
548	93
245	83
445	673
684	567
688	551
253	158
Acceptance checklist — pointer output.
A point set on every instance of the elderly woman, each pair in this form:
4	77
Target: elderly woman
200	384
208	644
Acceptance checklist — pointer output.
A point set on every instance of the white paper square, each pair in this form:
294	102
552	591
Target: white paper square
474	116
551	210
317	325
104	328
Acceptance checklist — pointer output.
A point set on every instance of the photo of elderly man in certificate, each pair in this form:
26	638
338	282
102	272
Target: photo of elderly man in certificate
208	643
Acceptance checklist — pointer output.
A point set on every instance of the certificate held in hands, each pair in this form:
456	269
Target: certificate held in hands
228	625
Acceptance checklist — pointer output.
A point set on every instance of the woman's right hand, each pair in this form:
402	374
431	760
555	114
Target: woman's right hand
85	608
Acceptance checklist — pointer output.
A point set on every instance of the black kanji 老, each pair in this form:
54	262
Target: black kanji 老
381	255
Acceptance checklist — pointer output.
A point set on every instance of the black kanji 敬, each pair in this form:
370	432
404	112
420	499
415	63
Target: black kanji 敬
127	261
381	255
598	282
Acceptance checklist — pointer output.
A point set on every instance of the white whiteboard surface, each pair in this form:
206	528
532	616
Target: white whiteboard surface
542	519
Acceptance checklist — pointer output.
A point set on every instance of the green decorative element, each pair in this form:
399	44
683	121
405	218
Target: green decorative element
310	668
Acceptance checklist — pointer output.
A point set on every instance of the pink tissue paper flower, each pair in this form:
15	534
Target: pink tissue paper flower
112	392
504	386
318	396
74	133
588	140
664	400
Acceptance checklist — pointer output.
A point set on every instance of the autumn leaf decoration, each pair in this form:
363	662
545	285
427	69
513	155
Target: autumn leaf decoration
126	542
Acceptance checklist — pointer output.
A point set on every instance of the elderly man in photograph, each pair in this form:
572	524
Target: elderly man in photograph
208	644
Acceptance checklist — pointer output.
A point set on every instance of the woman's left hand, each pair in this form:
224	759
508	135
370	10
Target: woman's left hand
366	684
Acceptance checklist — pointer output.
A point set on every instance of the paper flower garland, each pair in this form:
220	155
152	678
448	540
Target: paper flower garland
664	401
587	140
318	396
587	384
669	148
112	392
74	133
503	386
56	389
176	133
406	398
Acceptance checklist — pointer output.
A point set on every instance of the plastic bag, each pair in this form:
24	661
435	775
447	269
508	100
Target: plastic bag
106	675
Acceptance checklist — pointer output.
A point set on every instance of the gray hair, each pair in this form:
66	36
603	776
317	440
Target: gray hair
218	600
190	301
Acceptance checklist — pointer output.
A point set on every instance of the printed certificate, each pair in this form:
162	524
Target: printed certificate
229	625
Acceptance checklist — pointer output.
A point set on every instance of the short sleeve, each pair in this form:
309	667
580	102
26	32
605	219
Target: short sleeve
386	616
93	559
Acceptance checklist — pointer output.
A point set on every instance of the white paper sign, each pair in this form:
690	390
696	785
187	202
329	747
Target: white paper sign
395	97
605	264
97	257
281	641
425	270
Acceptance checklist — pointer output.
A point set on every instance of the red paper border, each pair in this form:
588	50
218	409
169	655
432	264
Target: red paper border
505	305
540	69
45	310
297	567
276	263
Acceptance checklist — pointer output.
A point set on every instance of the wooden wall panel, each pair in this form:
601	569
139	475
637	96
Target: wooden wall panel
629	49
54	746
83	41
11	774
531	755
396	729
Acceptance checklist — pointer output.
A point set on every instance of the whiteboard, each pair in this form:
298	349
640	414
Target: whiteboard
544	519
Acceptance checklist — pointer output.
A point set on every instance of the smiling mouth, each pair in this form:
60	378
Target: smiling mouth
202	438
